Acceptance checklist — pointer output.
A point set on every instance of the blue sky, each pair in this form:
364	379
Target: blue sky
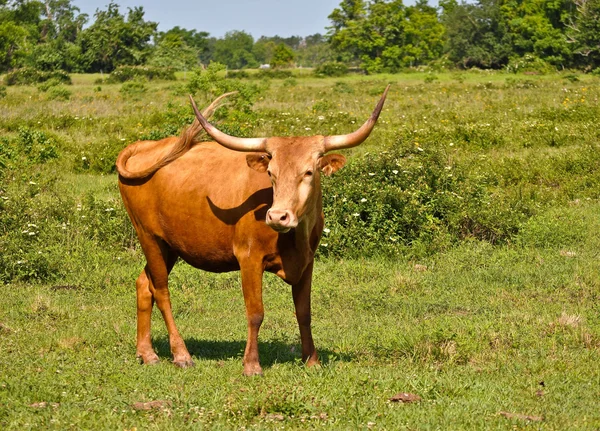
257	17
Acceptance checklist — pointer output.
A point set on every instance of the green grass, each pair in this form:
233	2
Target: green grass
489	306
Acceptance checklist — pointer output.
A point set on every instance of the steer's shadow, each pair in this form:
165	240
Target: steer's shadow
270	351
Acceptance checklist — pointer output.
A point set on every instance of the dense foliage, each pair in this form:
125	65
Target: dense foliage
375	36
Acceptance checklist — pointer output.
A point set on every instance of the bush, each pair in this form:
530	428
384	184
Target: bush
133	88
529	64
31	76
343	88
211	83
130	73
2	91
238	74
290	82
46	85
274	74
59	92
430	78
331	69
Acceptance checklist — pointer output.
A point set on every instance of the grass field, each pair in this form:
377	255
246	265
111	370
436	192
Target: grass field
460	263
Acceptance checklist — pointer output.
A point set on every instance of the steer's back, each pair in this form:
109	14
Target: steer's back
207	205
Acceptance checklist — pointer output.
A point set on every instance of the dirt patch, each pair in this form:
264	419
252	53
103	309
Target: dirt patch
152	405
405	398
64	287
43	405
521	417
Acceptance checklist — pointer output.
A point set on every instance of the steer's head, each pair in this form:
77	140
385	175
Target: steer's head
293	164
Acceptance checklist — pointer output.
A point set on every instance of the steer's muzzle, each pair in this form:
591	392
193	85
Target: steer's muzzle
281	220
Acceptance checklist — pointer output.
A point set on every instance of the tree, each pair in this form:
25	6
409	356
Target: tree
235	50
313	51
12	39
263	50
537	27
198	40
112	40
173	51
283	56
476	36
386	35
584	33
19	31
62	21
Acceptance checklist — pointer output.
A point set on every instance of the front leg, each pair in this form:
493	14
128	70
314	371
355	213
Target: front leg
252	287
301	295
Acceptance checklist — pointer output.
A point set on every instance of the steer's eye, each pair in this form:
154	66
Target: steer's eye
308	174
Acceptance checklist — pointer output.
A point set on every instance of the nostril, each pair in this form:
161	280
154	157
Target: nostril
283	217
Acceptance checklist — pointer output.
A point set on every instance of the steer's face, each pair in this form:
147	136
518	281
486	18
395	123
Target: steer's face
294	166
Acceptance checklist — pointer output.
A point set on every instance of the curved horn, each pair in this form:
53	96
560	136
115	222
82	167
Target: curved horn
339	142
231	142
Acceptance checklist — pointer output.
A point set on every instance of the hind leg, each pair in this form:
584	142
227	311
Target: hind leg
145	301
160	260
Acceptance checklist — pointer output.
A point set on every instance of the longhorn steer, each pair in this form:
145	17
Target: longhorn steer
222	210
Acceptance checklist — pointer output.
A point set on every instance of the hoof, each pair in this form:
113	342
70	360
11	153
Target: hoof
253	371
313	363
149	359
184	364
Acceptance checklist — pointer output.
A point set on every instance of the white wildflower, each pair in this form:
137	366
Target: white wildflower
395	172
326	230
363	200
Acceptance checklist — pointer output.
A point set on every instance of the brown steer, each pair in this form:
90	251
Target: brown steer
222	210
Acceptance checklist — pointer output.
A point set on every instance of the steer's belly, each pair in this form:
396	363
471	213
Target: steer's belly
212	263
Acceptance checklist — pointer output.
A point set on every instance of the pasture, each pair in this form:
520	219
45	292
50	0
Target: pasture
459	263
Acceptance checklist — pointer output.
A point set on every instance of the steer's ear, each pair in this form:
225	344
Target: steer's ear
331	163
258	161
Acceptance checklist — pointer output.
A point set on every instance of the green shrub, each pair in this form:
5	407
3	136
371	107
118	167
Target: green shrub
59	92
130	73
30	76
46	85
529	64
290	82
331	69
211	83
134	88
571	77
343	88
2	91
238	74
520	83
37	146
431	78
273	74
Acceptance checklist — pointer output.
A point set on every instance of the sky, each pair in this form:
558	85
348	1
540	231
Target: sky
257	17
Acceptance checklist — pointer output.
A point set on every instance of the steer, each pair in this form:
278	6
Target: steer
248	204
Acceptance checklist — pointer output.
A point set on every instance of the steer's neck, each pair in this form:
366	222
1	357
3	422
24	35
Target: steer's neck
308	232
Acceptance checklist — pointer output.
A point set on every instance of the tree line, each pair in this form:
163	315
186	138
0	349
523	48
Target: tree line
375	36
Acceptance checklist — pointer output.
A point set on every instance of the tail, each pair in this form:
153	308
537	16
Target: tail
183	145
